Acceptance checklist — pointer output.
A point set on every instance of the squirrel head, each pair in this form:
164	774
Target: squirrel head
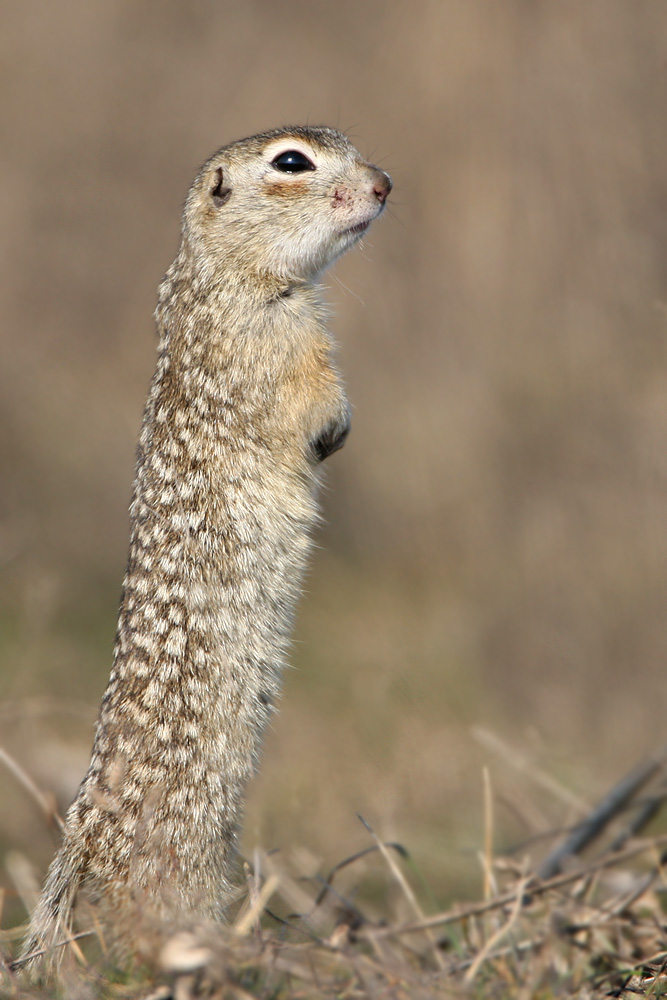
283	205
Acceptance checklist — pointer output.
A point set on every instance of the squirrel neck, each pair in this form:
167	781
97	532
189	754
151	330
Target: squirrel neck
270	319
237	278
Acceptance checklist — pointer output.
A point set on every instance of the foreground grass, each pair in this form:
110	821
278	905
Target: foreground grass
587	921
597	931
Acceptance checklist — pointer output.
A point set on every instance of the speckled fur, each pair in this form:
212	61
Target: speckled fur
224	502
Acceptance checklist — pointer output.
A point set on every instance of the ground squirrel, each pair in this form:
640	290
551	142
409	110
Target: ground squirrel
243	406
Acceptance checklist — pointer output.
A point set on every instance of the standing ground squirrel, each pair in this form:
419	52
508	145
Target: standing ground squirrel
243	406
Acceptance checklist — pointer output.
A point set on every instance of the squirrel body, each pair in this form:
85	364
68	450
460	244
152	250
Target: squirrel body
244	404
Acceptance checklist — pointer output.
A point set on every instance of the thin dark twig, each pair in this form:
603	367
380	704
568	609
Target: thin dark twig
289	925
610	806
351	860
346	904
534	888
519	947
645	807
17	963
646	811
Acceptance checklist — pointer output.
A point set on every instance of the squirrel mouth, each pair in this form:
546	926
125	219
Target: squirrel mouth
360	227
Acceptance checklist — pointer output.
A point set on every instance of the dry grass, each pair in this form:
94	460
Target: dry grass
595	929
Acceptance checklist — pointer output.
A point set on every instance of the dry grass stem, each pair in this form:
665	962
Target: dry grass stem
251	916
406	888
525	766
487	859
495	939
45	802
536	888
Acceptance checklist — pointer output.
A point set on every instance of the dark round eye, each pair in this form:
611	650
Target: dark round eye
292	162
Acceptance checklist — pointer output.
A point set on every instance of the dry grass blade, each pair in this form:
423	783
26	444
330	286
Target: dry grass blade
520	948
44	802
23	876
487	859
406	888
300	902
525	766
495	939
18	963
250	917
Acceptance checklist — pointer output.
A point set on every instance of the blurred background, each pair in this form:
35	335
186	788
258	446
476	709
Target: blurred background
489	589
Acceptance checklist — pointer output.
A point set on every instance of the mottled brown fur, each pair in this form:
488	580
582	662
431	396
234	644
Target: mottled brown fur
243	397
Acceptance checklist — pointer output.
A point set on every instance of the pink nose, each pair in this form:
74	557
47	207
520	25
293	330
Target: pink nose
381	185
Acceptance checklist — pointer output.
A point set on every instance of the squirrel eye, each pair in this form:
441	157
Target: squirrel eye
292	162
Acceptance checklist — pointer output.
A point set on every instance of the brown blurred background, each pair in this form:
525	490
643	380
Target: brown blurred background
496	548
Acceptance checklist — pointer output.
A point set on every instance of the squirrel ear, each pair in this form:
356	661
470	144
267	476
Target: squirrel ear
219	193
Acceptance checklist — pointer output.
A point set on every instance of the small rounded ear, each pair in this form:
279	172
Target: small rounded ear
219	193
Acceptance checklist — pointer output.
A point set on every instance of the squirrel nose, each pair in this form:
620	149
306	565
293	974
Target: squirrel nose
381	185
